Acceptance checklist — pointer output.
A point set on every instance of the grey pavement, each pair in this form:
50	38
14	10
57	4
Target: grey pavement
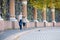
7	33
42	34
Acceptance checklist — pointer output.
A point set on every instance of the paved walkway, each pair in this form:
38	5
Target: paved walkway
40	34
5	34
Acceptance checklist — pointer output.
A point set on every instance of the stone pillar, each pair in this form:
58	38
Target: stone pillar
35	14
44	16
12	14
53	16
12	10
24	9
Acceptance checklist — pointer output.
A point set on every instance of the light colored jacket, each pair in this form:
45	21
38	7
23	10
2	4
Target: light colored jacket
19	17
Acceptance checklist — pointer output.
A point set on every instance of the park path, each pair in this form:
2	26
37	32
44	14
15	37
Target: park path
42	34
5	34
50	33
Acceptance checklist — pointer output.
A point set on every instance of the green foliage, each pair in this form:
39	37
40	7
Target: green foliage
4	8
57	15
29	11
49	3
36	3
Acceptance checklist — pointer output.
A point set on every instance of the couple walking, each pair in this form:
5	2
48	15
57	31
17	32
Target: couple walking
21	21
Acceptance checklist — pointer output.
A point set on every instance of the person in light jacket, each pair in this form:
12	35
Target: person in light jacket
24	21
20	21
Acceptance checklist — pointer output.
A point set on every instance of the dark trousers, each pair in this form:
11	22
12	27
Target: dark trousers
20	24
24	24
20	27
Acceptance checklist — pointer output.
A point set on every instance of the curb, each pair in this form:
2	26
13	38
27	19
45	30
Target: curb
17	35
